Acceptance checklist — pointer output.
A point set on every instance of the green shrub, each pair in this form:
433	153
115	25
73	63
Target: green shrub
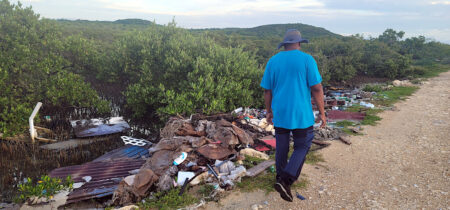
168	200
373	88
45	187
33	68
183	74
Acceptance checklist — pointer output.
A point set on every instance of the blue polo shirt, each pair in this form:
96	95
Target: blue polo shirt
290	75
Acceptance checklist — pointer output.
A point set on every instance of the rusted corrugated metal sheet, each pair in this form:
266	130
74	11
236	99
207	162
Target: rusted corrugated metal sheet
127	151
99	127
106	175
94	189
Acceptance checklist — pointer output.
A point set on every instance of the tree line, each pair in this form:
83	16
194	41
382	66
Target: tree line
157	70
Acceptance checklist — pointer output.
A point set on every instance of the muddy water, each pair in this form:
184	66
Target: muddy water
19	160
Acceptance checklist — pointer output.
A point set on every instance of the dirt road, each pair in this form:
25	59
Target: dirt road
402	163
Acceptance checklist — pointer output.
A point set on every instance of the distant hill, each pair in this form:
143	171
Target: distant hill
275	30
102	30
134	22
265	38
131	21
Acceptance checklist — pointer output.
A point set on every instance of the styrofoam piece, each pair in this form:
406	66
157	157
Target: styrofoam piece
134	141
182	175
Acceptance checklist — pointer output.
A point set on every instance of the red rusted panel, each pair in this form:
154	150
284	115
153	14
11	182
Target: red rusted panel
106	176
336	115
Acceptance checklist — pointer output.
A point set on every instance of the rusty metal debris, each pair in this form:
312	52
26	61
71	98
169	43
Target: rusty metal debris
336	115
106	175
125	152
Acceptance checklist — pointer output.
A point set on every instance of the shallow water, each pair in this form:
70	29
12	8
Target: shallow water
19	160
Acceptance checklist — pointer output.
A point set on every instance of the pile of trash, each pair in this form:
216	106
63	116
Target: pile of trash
256	118
340	99
199	150
194	151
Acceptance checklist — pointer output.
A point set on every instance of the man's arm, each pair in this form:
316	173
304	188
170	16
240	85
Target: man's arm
317	93
268	102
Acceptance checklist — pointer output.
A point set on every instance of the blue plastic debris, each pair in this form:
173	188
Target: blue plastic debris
127	151
300	196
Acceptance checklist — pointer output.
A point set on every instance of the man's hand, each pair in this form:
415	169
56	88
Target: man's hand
317	93
268	103
269	117
322	118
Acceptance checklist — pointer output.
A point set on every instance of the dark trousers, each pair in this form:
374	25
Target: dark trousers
290	171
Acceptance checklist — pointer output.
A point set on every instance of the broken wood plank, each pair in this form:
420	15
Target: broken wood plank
45	139
45	130
260	168
72	143
345	140
321	143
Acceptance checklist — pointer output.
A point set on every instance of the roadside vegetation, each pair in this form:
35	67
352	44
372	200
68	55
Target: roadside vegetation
168	200
45	187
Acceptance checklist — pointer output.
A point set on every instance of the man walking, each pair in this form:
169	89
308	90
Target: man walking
290	78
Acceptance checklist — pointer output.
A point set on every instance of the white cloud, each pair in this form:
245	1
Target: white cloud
440	2
442	35
312	8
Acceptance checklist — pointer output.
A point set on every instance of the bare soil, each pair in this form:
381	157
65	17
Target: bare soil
402	163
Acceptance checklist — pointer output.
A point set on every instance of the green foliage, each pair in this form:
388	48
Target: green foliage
161	70
382	61
206	190
250	161
344	123
389	97
168	200
33	68
373	88
435	70
45	187
174	72
370	120
265	181
314	157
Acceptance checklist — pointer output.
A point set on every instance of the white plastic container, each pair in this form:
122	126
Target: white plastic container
180	159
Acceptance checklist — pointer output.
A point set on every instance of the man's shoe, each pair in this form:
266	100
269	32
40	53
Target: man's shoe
284	190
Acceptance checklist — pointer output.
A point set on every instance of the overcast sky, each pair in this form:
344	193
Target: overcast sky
369	17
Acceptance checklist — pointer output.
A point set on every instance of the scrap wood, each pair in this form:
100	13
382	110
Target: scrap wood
46	130
72	143
321	143
260	168
215	151
345	140
45	139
